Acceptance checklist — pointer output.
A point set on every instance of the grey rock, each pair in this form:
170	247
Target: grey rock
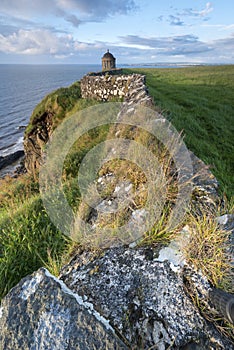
205	197
41	313
143	298
226	222
10	159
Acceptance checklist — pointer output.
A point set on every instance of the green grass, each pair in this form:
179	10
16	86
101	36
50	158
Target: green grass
200	101
28	239
58	103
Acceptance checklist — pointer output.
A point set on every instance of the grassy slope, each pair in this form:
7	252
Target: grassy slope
200	101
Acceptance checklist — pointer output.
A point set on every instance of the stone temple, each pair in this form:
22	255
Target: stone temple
108	61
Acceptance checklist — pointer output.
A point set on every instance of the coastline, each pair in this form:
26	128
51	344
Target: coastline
12	164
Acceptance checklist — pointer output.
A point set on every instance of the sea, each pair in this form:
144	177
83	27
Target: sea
23	86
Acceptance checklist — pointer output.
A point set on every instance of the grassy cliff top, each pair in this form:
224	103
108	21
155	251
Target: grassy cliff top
58	102
200	102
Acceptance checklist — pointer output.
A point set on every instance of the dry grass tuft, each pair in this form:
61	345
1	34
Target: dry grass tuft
207	251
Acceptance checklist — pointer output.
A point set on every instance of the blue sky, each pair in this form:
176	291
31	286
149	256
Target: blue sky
135	31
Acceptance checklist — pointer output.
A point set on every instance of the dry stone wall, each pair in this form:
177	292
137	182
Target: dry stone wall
131	88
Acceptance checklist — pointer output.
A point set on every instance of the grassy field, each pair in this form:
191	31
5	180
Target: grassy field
197	100
200	101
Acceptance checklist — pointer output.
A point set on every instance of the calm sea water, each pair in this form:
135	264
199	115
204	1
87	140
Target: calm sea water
21	88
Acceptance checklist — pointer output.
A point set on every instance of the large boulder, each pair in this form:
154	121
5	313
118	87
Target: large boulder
41	313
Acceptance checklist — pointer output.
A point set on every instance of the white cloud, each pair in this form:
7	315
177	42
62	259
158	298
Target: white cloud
208	9
187	47
195	13
175	21
131	48
175	45
48	43
37	42
26	30
73	20
178	18
100	8
172	20
219	26
26	8
73	11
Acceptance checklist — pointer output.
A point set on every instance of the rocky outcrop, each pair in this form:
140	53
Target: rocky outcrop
105	87
121	299
12	164
10	159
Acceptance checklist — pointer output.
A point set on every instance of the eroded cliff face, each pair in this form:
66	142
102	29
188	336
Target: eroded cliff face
35	141
45	117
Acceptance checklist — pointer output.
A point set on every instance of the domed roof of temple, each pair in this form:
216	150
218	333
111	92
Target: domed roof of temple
108	55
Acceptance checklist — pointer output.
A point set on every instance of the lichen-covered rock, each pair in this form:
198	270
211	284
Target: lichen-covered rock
143	298
41	313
